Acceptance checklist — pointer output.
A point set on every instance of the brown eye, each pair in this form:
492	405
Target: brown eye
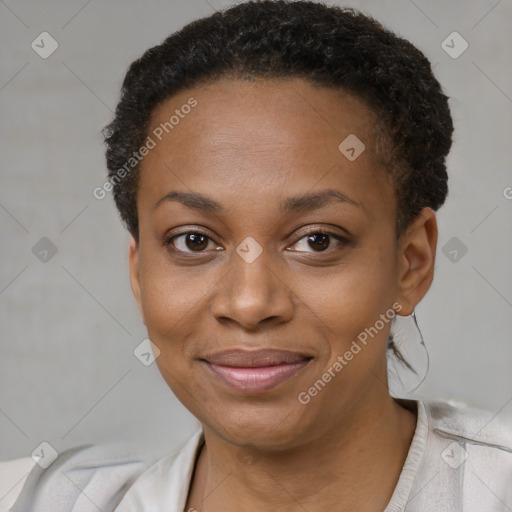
319	241
192	241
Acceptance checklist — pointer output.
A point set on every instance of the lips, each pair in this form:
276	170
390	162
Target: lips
255	371
255	358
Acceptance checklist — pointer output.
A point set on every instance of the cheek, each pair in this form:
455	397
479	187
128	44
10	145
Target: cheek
357	307
171	305
353	295
173	300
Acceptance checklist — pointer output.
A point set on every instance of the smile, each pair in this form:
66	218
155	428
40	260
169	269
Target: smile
256	371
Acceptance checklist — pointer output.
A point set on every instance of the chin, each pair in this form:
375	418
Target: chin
260	426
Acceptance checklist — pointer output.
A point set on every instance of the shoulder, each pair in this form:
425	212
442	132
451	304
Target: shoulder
472	449
85	477
470	424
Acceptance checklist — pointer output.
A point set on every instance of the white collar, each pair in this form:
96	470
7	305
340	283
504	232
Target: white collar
165	484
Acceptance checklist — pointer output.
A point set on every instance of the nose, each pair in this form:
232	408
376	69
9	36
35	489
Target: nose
252	293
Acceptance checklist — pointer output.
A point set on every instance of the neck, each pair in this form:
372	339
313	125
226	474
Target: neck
353	465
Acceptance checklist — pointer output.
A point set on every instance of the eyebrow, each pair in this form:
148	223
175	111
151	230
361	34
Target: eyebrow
303	203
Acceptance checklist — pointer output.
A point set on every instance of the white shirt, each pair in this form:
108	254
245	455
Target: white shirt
460	460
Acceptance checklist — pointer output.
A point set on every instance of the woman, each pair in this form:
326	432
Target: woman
278	166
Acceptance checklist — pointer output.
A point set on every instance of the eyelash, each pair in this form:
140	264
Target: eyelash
168	241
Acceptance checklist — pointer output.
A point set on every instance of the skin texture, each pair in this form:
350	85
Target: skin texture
250	145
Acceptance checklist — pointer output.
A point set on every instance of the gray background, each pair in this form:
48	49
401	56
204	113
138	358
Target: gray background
69	325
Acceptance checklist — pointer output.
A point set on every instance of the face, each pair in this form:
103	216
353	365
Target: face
257	232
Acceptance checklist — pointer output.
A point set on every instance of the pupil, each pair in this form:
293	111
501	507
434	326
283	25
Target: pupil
324	244
197	241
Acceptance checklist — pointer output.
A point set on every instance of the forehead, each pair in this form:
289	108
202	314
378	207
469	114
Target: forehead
264	115
256	138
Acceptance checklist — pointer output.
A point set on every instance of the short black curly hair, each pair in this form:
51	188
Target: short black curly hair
329	46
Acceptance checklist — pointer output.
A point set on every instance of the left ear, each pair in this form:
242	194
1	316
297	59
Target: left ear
417	254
